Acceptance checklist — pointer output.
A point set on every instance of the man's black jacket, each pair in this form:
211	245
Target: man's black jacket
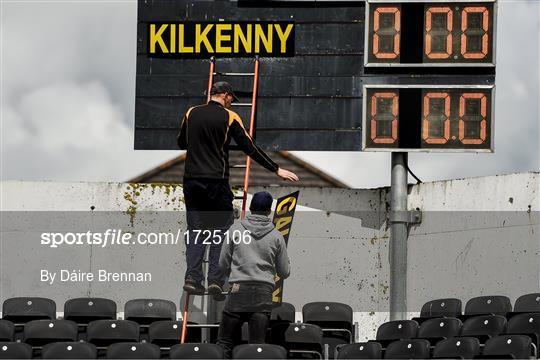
206	133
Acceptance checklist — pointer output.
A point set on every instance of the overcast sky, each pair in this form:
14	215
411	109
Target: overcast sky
68	92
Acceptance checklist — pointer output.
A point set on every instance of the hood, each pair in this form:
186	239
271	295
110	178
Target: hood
258	225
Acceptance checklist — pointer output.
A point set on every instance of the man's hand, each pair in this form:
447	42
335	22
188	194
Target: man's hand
287	175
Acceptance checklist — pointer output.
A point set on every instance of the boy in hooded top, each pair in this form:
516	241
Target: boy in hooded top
252	261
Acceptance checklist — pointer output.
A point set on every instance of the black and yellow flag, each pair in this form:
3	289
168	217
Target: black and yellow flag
283	218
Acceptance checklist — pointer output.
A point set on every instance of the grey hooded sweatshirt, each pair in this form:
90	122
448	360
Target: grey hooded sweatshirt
256	257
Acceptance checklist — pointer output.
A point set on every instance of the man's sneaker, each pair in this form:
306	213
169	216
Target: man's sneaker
216	291
193	287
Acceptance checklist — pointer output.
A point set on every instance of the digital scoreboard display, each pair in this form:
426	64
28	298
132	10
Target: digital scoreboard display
428	118
420	33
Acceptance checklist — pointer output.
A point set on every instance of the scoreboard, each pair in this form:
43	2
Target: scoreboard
430	34
373	75
445	36
435	118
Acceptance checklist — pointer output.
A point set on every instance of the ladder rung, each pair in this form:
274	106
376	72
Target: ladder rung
242	104
239	166
234	74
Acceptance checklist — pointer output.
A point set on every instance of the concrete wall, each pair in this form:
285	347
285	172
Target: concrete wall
479	236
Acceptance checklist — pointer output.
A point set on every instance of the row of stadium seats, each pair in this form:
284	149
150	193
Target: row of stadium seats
145	311
326	325
137	350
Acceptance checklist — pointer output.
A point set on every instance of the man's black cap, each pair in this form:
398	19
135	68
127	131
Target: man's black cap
223	87
261	202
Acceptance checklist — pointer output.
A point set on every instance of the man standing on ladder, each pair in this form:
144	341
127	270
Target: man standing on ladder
205	133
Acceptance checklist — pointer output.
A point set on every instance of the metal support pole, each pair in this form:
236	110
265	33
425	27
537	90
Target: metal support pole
398	238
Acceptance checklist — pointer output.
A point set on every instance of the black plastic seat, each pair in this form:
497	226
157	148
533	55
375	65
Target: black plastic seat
528	303
165	333
335	319
85	310
133	351
436	329
396	330
457	347
285	312
408	350
69	351
168	333
41	332
259	352
484	327
7	330
24	309
15	350
196	351
484	305
508	347
444	307
360	351
106	332
525	324
280	319
146	311
304	339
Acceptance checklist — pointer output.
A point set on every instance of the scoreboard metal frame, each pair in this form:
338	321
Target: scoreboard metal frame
491	88
434	64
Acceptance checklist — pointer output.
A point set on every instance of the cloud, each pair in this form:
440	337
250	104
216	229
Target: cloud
70	129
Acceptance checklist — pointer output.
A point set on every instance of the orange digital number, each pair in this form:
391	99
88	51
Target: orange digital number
384	116
481	31
392	32
476	119
427	124
439	32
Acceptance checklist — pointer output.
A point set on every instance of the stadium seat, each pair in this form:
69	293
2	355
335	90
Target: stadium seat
284	312
457	347
484	305
396	330
146	311
408	350
165	333
528	303
330	315
168	333
105	332
259	352
525	324
444	307
196	351
360	351
280	319
133	351
304	339
69	351
508	347
484	327
335	319
15	350
24	309
7	330
41	332
436	329
85	310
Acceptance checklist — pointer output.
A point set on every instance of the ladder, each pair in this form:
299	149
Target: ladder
255	74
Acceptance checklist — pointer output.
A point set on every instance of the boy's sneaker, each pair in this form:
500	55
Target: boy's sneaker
193	287
216	291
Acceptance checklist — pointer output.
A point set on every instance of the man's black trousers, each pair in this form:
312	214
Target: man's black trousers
249	302
209	214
